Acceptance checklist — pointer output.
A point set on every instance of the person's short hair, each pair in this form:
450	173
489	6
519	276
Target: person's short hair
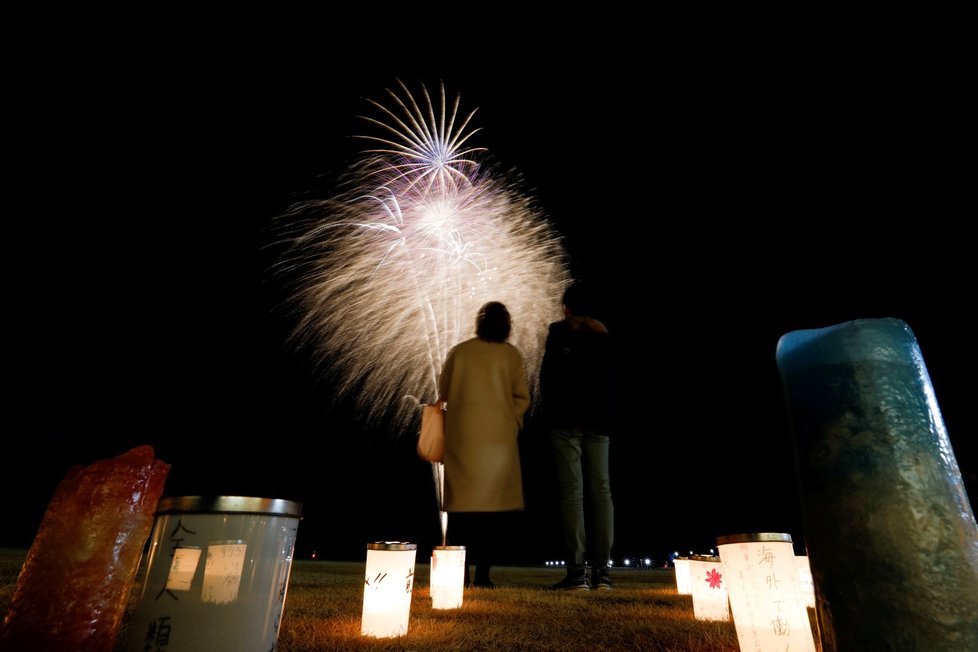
576	300
493	322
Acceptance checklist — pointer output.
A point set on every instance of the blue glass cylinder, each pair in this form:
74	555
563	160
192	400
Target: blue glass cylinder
891	536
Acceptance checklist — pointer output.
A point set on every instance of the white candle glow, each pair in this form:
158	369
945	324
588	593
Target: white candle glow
683	581
387	589
447	576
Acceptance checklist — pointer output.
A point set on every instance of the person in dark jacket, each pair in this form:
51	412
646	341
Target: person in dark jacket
577	392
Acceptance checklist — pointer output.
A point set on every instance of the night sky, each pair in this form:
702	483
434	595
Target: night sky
720	193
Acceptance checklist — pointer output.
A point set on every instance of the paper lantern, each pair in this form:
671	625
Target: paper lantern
709	588
387	588
805	580
765	592
217	571
447	576
683	581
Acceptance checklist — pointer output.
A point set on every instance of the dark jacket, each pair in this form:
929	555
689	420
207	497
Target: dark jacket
576	376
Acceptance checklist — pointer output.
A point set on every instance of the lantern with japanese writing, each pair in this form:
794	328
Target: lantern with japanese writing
387	588
447	576
709	588
217	571
765	592
683	581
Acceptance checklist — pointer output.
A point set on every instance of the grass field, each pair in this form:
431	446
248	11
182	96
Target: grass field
643	612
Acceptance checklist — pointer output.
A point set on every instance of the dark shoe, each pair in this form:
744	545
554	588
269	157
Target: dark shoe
602	579
572	583
484	584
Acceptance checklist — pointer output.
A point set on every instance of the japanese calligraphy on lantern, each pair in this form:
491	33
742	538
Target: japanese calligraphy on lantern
765	593
387	588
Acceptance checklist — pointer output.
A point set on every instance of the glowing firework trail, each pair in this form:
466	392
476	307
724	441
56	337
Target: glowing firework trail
393	269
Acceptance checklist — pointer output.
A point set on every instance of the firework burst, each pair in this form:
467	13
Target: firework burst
392	269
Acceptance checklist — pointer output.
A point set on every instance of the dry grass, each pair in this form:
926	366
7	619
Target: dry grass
643	612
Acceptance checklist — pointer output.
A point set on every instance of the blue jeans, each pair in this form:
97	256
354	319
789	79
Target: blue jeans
582	470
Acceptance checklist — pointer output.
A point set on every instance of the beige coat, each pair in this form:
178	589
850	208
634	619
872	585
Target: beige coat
484	385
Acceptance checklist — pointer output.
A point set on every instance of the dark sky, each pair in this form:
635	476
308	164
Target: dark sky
720	191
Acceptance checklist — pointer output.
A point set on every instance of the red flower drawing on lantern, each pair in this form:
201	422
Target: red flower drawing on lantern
713	577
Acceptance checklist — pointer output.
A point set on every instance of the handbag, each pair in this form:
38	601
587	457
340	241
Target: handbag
431	439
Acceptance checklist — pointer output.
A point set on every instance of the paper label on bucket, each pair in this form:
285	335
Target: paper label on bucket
222	572
182	569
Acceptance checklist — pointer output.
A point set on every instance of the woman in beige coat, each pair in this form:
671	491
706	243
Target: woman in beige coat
483	384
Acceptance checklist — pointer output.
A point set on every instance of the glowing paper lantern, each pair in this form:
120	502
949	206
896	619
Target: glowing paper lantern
765	592
805	579
709	588
684	584
217	571
387	588
447	576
